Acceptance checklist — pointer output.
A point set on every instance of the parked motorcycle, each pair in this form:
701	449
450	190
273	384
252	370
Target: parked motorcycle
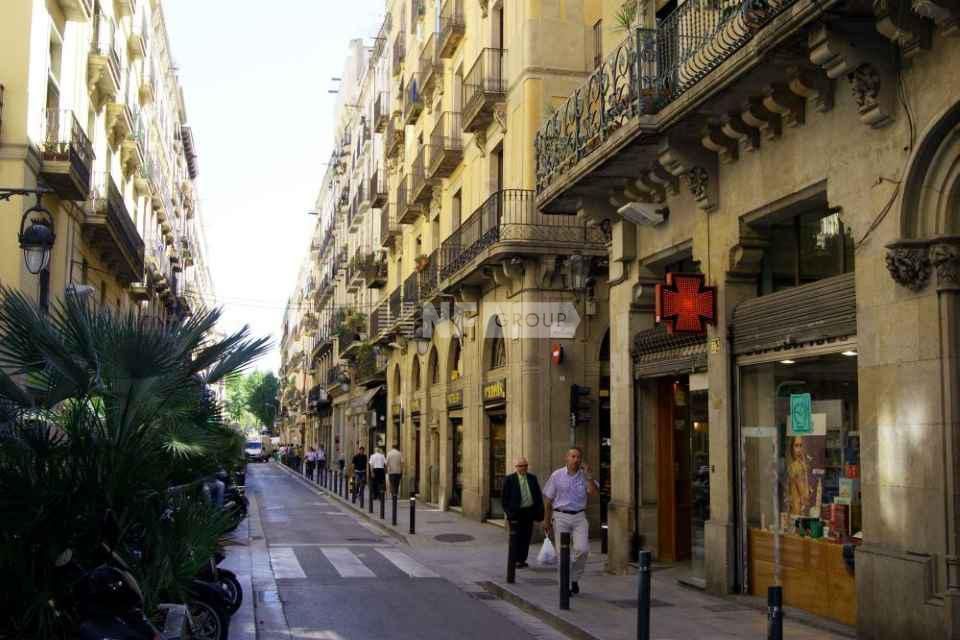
226	579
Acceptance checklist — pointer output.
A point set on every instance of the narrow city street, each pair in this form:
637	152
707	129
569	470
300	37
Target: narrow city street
339	578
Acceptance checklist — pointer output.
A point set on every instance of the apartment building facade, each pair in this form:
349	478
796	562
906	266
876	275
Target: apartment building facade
92	110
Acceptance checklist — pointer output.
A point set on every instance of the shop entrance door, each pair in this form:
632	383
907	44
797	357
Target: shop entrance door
673	471
456	492
498	463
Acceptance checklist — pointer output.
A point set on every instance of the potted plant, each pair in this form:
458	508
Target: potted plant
422	262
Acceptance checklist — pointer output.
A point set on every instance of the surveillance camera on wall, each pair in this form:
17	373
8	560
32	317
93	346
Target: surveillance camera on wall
643	213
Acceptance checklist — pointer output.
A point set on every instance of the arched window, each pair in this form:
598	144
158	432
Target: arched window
416	373
433	366
604	355
396	382
455	360
498	353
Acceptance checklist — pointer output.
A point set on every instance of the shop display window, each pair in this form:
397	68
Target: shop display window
800	480
806	248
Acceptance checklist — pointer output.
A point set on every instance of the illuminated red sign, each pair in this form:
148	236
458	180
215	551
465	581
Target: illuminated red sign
685	304
556	352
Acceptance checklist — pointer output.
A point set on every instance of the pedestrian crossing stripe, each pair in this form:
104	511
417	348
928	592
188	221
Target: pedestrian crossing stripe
407	564
285	563
347	564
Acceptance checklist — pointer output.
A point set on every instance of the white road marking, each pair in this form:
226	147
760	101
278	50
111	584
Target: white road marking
347	564
407	564
285	564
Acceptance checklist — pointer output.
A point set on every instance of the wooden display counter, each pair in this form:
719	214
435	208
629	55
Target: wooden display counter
813	574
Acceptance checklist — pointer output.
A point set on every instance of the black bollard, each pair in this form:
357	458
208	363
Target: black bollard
643	597
603	539
565	570
383	506
393	518
512	551
371	493
774	613
413	514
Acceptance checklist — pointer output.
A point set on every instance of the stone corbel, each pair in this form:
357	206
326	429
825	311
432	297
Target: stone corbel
813	85
945	258
909	263
864	67
469	296
944	13
513	271
662	176
549	270
436	201
714	139
683	157
500	116
900	25
734	127
746	257
480	140
654	190
484	8
779	99
755	114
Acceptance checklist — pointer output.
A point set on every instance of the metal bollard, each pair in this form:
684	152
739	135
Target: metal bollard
371	493
774	613
643	597
512	551
393	518
413	514
383	506
565	570
603	539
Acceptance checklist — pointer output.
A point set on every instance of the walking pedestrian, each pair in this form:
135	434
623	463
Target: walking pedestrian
341	461
565	497
311	462
378	465
395	469
523	504
359	470
321	462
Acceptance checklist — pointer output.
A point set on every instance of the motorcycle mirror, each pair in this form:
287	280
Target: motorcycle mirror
65	557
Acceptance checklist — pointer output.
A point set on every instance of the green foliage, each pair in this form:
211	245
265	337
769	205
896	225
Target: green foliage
262	399
100	415
626	16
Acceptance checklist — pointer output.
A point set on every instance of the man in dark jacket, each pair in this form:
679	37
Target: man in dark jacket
523	504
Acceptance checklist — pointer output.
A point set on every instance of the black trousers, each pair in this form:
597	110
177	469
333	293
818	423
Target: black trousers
395	483
522	520
310	467
379	481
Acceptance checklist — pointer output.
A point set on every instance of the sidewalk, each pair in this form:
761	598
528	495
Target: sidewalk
473	553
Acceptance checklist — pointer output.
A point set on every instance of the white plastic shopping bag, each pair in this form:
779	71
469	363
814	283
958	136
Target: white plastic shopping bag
547	555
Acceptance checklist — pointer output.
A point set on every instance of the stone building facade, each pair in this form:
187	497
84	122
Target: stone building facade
91	108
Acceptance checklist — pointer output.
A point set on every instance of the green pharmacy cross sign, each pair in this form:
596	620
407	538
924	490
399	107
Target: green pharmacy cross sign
801	418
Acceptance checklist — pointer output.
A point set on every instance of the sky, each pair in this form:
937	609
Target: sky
256	78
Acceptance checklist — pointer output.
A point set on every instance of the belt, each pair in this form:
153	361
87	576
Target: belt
569	513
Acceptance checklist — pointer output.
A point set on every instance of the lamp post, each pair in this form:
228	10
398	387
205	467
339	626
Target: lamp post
36	239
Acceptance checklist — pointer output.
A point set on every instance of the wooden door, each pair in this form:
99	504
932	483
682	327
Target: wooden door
666	475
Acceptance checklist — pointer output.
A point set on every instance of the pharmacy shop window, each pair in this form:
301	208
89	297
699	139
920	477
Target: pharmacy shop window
805	248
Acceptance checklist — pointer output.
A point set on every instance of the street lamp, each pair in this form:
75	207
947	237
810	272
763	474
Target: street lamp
36	240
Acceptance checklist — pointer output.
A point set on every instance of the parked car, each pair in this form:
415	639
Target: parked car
254	452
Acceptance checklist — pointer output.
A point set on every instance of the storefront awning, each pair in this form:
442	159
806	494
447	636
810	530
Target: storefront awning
363	402
658	353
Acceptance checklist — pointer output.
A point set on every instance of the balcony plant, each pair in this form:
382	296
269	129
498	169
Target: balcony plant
107	415
422	261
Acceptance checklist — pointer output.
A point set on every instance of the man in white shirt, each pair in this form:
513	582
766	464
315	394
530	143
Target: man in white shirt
378	464
395	469
565	497
321	462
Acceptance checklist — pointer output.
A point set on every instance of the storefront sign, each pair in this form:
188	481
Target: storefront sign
494	392
685	305
801	410
455	399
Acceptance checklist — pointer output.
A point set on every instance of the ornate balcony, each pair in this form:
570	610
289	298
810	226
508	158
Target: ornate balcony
119	123
399	52
108	226
66	155
408	210
377	188
393	139
338	380
431	66
77	10
452	27
133	148
412	99
508	224
370	367
636	88
446	145
381	111
389	228
103	63
395	307
421	190
484	86
429	276
380	320
411	299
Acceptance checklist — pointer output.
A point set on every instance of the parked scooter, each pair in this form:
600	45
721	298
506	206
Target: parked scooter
226	579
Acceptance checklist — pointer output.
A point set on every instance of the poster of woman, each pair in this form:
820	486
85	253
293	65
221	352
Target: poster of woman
805	459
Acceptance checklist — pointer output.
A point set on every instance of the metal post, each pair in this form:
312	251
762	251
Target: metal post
370	495
383	506
643	597
565	570
393	518
603	539
512	551
774	613
413	514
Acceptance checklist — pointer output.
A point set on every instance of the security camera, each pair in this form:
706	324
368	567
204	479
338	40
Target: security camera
643	213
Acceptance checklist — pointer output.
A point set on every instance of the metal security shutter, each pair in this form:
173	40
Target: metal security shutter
822	310
657	353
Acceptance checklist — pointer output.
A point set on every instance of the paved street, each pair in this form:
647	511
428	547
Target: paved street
339	578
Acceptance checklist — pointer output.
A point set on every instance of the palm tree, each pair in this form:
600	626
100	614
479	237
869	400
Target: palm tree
101	413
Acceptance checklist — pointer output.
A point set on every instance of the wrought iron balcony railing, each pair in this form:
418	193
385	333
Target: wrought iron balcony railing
452	27
431	66
371	366
420	191
412	99
411	295
446	145
483	87
511	216
399	51
429	276
380	320
381	111
396	304
393	139
110	229
649	70
377	188
389	228
67	155
408	209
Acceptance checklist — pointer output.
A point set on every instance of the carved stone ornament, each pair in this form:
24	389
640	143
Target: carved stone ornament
699	180
500	116
909	265
484	8
945	257
865	83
